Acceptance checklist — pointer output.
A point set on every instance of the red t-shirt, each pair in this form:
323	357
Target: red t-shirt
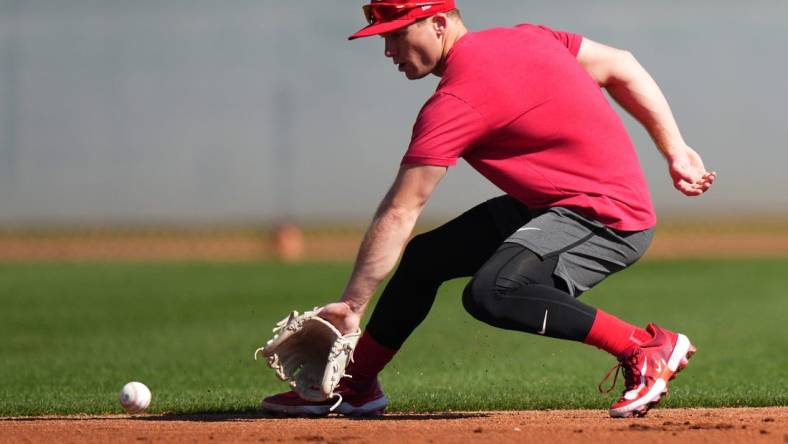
520	109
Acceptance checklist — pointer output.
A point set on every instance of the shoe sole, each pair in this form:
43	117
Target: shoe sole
375	407
296	410
678	361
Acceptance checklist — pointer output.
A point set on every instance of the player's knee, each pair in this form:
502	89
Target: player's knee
481	300
472	303
514	271
415	254
417	258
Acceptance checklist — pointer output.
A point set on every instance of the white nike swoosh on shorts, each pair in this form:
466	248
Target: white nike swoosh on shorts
529	228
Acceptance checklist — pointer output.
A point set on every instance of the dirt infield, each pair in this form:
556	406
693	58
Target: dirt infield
339	245
732	425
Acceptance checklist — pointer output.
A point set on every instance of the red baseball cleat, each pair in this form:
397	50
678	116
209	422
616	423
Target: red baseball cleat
647	371
370	402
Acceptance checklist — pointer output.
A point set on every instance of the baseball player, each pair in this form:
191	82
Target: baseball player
525	107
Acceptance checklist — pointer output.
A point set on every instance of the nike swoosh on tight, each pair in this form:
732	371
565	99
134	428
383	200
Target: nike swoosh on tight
544	324
529	228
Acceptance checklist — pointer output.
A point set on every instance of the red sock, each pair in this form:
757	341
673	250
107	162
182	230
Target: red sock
369	358
615	336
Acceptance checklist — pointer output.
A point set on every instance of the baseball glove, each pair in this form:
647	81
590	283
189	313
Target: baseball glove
309	352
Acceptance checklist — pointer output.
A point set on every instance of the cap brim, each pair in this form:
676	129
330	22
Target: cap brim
381	28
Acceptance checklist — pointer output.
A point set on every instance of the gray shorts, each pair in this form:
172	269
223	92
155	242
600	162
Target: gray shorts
587	251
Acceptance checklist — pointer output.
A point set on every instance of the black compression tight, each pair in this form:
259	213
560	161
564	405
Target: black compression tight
512	287
516	290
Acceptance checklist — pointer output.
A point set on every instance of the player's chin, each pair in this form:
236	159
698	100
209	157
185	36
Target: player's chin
421	76
414	74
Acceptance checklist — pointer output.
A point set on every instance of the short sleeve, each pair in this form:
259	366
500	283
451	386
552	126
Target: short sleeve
570	40
445	129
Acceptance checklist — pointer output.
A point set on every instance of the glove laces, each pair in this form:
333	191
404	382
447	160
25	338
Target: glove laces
336	404
338	395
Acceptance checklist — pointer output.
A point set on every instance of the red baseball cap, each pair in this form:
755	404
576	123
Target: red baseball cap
388	15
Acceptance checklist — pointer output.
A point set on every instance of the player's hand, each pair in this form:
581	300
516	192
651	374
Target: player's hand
341	316
688	173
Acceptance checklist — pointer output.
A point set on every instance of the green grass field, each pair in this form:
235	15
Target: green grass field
73	334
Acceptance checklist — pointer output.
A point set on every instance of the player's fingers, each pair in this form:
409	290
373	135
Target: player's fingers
688	188
709	179
704	182
702	187
683	186
687	175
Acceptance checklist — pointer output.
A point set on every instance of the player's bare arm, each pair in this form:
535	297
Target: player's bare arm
383	243
619	72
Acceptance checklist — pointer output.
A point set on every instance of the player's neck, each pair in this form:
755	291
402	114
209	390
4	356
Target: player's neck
453	34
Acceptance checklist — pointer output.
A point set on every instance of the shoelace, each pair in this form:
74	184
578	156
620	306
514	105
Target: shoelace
627	366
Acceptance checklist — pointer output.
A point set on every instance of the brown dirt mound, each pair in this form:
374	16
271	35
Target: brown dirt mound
730	425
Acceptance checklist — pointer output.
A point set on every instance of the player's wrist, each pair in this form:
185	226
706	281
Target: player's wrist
355	307
356	298
673	148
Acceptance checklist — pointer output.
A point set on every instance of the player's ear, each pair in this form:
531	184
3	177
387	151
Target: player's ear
439	24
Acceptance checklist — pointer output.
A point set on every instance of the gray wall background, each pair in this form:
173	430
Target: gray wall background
245	111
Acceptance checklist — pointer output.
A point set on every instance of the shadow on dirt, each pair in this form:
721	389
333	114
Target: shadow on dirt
249	416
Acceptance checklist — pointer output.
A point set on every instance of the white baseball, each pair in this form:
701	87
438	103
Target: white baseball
134	397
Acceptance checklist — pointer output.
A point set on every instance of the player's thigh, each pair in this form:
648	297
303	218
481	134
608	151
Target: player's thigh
607	252
460	247
510	268
587	252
